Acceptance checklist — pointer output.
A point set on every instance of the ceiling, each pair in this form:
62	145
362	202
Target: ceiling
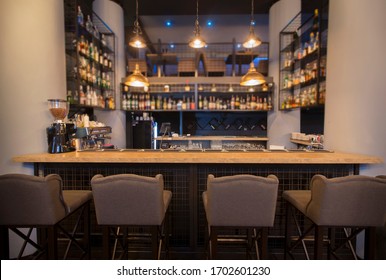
181	7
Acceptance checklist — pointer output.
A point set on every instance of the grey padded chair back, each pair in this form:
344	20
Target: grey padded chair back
241	200
137	199
346	201
30	200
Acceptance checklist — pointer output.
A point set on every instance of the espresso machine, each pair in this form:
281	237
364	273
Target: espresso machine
58	134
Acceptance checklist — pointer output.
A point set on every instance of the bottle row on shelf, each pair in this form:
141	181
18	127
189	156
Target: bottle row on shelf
91	97
159	102
305	97
190	88
303	76
91	28
304	50
90	51
94	76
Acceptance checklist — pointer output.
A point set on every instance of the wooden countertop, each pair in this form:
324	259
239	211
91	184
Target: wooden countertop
157	156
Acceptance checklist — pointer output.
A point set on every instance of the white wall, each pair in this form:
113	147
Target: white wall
32	70
112	15
280	123
355	104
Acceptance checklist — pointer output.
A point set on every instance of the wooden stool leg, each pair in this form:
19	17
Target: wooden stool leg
264	243
86	233
213	243
52	243
288	230
106	243
370	243
154	241
318	243
4	243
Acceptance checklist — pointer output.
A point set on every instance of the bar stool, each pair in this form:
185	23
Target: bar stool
240	202
28	201
129	200
354	203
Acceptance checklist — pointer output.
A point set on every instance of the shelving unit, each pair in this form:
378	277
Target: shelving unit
197	95
203	107
303	61
90	58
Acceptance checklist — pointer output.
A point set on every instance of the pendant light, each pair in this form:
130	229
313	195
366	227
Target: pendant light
252	40
136	79
197	41
252	78
137	41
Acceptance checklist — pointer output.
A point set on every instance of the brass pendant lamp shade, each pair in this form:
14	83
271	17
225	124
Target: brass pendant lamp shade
137	41
136	79
252	78
252	40
197	41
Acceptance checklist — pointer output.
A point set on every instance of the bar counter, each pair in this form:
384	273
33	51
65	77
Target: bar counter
202	157
185	174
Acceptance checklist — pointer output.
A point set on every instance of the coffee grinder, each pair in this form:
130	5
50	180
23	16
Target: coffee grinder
58	134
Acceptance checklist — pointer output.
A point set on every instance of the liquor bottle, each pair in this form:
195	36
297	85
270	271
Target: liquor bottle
82	96
105	60
237	103
253	102
129	102
112	103
124	102
81	44
205	104
152	103
90	52
315	23
110	62
100	57
89	24
232	102
69	97
192	105
183	104
200	104
269	103
80	17
148	102
108	82
88	96
96	53
265	104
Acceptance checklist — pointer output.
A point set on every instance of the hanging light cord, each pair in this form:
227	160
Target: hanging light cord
251	28
197	24
137	28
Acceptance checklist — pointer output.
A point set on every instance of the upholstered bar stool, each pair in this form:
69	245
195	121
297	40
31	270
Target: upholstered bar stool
28	201
354	203
240	202
129	200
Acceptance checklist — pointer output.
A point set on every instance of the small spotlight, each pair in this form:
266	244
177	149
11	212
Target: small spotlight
238	46
253	22
209	23
168	23
171	46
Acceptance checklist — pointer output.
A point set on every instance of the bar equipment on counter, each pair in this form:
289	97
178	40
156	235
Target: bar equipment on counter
94	138
59	134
